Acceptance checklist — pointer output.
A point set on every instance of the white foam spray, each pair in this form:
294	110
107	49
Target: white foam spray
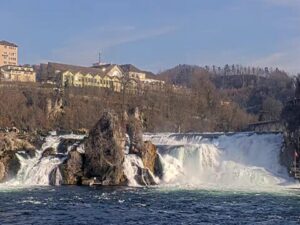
36	170
242	160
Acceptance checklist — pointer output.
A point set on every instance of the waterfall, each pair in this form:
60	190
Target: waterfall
131	164
196	160
36	170
218	160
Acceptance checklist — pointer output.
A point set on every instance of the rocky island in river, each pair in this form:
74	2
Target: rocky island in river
99	158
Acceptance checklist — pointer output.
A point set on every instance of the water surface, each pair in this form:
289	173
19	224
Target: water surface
88	205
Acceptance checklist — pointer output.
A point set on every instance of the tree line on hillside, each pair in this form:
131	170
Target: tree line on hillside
261	96
236	69
201	108
199	101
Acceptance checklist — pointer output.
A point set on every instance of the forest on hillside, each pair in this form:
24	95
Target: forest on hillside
200	101
261	92
202	108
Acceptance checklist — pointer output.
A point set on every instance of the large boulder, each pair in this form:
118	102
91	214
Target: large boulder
49	152
104	151
134	129
150	158
145	150
145	177
72	169
9	166
65	144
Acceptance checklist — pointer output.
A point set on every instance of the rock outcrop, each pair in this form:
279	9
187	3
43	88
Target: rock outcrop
10	144
55	107
9	166
104	151
72	169
134	129
48	152
145	150
290	116
150	158
97	159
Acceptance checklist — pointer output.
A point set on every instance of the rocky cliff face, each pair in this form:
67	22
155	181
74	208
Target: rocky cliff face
72	169
54	107
145	150
150	159
104	151
102	158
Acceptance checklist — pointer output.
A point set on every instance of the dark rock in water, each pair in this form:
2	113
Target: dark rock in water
72	169
10	144
9	166
101	161
49	151
290	116
104	155
81	131
55	177
134	129
65	144
27	154
30	152
150	158
145	177
145	150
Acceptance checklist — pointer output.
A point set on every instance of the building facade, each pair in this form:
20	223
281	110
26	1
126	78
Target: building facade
17	73
63	75
8	53
110	76
133	72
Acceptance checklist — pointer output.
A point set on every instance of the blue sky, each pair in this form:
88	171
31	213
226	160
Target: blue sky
155	34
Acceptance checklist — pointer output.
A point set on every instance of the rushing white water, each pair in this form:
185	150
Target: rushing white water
131	164
196	160
243	160
36	170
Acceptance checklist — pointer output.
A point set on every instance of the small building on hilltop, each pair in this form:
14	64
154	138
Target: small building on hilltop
110	76
143	76
112	70
133	72
8	53
9	68
17	73
63	75
148	80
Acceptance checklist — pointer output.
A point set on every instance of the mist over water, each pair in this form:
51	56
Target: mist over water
246	161
219	161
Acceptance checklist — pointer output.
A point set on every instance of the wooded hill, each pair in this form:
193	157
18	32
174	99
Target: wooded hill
261	92
206	102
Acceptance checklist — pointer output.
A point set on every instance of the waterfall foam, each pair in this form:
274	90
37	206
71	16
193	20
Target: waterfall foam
199	160
36	170
131	164
244	160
